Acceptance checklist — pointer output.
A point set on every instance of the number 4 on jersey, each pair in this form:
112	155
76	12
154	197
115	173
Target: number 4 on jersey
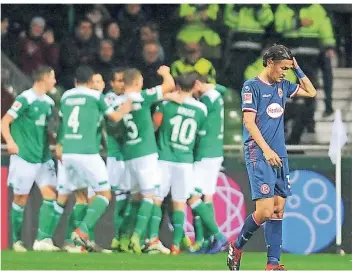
73	119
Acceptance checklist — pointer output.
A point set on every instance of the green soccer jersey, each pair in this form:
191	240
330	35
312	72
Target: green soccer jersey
30	126
113	129
211	145
82	112
138	133
181	125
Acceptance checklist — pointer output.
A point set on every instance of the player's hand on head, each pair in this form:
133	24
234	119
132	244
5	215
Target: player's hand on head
126	107
272	158
295	64
163	70
12	148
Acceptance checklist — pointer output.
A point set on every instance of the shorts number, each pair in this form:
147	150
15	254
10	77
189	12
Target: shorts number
183	131
73	121
128	121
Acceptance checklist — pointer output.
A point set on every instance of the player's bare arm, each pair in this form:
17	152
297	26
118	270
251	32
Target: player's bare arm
306	88
157	120
269	154
12	147
168	84
124	109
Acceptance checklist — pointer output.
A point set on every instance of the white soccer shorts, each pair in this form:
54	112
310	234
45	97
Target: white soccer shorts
23	174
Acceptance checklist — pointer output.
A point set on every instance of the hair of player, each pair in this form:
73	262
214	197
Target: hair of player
154	27
277	52
84	74
115	71
130	76
40	72
187	80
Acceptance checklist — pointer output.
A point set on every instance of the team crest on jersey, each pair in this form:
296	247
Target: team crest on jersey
280	92
151	91
247	98
246	88
265	189
16	105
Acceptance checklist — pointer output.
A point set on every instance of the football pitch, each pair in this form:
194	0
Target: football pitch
118	261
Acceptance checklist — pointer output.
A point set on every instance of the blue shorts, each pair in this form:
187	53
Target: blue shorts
267	181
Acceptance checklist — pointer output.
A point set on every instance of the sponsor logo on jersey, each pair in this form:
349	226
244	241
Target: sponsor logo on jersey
280	92
266	95
16	105
274	110
151	91
247	98
265	189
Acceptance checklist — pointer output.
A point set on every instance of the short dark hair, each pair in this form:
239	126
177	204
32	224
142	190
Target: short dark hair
154	27
84	74
116	70
187	80
130	75
84	20
277	52
39	72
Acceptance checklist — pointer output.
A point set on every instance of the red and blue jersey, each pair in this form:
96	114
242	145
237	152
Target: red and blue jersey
268	102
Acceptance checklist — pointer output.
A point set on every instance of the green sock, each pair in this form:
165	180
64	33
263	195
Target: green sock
94	212
155	222
120	205
198	228
16	221
143	216
202	210
211	210
130	215
70	225
79	212
58	210
91	234
178	219
46	214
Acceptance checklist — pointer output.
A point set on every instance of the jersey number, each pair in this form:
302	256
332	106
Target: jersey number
73	119
41	120
183	131
128	121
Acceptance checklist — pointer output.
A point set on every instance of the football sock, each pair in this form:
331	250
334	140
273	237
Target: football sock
155	222
46	214
198	228
120	205
178	219
94	212
211	213
201	209
79	212
16	221
249	227
91	234
58	211
143	216
130	216
273	240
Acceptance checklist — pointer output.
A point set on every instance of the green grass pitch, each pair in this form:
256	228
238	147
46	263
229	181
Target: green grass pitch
118	261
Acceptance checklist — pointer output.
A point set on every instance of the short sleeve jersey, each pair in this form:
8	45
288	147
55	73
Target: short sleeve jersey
268	101
211	144
82	112
113	129
30	126
180	127
138	134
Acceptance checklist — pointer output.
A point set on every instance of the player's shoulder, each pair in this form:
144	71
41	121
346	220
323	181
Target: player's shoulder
82	91
28	95
251	85
49	100
212	95
196	104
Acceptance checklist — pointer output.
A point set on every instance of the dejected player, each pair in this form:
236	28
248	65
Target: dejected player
263	103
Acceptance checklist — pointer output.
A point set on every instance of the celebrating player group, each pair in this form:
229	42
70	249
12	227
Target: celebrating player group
166	139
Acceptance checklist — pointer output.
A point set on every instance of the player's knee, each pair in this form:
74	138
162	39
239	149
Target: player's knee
208	198
264	214
48	192
279	212
179	205
20	199
106	194
193	199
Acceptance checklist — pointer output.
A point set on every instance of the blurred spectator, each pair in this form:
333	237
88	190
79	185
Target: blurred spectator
200	27
307	30
37	48
193	61
77	50
98	15
8	43
247	24
130	19
113	33
149	33
150	64
104	63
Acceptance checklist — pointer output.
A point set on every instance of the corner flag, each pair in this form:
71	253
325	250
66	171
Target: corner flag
338	137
